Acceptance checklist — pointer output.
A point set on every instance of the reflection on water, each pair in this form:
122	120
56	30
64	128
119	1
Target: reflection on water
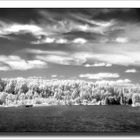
71	119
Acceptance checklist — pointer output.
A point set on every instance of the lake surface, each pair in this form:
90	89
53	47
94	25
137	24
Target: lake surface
71	119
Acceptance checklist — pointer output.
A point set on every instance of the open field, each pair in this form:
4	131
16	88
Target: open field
71	119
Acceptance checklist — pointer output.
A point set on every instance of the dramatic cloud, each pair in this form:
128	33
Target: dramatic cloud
98	44
100	75
52	28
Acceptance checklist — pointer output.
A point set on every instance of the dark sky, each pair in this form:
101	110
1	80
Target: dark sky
92	44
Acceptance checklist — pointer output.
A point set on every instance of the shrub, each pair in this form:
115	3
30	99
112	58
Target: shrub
2	85
38	101
10	86
3	96
136	98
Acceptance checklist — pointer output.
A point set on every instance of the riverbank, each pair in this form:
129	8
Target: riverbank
43	105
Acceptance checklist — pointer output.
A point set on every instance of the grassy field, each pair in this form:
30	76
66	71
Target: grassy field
71	119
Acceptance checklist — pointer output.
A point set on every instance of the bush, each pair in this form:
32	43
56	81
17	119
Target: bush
111	101
3	96
10	86
2	85
136	98
38	101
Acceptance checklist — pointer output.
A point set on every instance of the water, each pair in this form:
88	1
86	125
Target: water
71	119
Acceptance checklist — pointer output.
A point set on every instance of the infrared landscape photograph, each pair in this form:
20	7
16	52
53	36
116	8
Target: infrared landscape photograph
70	71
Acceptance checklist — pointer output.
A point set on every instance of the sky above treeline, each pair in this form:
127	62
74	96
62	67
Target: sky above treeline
100	45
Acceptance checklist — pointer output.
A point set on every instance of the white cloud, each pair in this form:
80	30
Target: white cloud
90	29
61	41
124	50
131	71
98	65
42	41
80	41
36	62
115	58
121	40
53	76
50	52
6	29
57	57
114	82
101	23
96	22
52	32
26	65
100	75
17	63
4	68
118	58
72	23
36	30
108	65
15	28
4	58
50	40
123	81
78	58
94	26
62	59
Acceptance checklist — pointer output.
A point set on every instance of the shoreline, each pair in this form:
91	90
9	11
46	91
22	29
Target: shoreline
46	105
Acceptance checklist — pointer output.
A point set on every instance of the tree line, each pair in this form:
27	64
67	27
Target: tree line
64	92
